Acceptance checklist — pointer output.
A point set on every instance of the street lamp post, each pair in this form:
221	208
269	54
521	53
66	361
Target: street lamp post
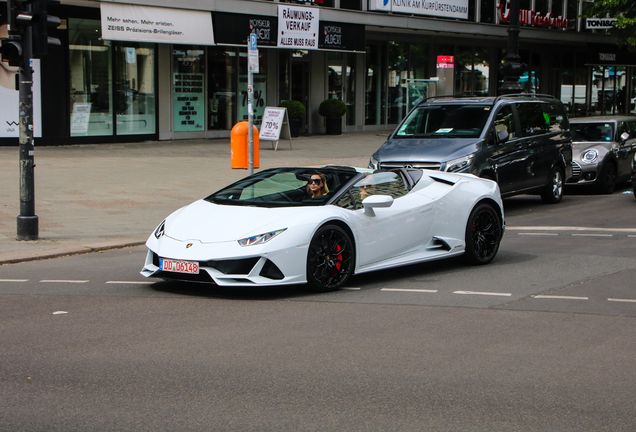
512	68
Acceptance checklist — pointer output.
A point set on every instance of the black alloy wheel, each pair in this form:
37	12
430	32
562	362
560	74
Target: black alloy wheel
483	234
607	181
553	191
330	259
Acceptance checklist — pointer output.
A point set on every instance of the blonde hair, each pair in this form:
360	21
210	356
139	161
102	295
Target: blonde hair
323	180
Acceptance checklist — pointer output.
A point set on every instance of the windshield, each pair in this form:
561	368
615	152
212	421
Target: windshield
582	132
447	121
285	187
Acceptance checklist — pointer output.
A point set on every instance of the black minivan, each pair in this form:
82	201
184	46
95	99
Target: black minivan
521	141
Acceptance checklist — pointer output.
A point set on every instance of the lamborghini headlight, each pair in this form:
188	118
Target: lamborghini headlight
589	156
460	164
161	229
260	239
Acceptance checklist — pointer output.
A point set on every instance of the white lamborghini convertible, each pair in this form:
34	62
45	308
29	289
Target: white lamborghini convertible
266	229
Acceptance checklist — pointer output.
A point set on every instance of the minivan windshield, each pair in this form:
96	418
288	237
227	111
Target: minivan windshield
445	121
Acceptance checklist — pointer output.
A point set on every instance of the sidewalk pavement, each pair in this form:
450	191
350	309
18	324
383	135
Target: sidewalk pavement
103	196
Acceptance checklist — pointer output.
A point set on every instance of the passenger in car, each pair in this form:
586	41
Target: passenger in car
317	186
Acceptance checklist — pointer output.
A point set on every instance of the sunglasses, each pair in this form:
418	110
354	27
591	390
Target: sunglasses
314	181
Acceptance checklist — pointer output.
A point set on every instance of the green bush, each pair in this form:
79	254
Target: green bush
332	108
295	109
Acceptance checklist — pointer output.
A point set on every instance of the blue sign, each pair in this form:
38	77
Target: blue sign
252	41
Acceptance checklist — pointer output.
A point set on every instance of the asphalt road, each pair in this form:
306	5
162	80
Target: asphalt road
539	340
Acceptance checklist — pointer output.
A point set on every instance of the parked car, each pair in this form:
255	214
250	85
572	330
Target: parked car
521	141
268	230
603	149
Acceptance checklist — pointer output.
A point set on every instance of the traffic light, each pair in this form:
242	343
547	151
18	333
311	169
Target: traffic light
29	22
11	52
42	21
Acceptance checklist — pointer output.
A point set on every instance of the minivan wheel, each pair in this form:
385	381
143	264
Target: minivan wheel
607	181
553	191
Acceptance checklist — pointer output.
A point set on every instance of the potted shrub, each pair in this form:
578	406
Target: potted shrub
295	112
333	110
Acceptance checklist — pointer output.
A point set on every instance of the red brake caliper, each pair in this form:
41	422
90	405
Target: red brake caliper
339	258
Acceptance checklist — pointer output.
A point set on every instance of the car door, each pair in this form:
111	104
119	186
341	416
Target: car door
625	148
509	156
391	231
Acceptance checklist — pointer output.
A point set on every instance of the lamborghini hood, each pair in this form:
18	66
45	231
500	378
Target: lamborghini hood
213	223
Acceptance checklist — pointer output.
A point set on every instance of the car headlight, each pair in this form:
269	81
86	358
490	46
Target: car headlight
373	163
589	156
459	164
161	229
260	239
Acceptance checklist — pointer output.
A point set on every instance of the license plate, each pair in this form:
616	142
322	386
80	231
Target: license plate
190	267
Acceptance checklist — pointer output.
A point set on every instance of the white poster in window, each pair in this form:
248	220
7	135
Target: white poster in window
126	22
259	92
298	27
80	118
10	101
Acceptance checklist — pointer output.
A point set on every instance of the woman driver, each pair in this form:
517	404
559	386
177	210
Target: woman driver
317	186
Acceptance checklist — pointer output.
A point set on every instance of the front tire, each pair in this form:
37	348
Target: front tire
607	181
330	259
483	234
554	189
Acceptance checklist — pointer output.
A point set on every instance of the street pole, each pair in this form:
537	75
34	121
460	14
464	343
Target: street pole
252	67
27	220
512	68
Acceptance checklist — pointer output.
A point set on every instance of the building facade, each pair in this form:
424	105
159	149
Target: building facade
136	71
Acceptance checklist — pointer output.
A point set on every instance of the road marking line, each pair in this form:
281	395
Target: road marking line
14	280
409	290
60	313
351	288
537	234
130	282
566	228
483	293
631	236
592	235
560	297
622	300
63	281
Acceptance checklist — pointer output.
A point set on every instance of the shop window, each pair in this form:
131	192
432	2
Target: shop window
222	97
573	9
488	10
90	66
135	88
374	98
112	84
351	4
188	88
350	86
557	7
464	71
541	6
398	74
259	89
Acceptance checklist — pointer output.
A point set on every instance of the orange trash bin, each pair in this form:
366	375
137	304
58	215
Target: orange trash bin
239	142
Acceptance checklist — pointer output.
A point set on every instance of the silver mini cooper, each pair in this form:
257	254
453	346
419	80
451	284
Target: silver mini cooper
602	150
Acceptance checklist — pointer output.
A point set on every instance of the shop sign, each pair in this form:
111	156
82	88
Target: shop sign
457	9
445	62
234	29
600	23
341	36
126	22
298	27
529	17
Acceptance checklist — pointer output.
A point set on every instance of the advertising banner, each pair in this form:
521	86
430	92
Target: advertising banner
298	27
10	97
126	22
441	8
234	29
189	102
